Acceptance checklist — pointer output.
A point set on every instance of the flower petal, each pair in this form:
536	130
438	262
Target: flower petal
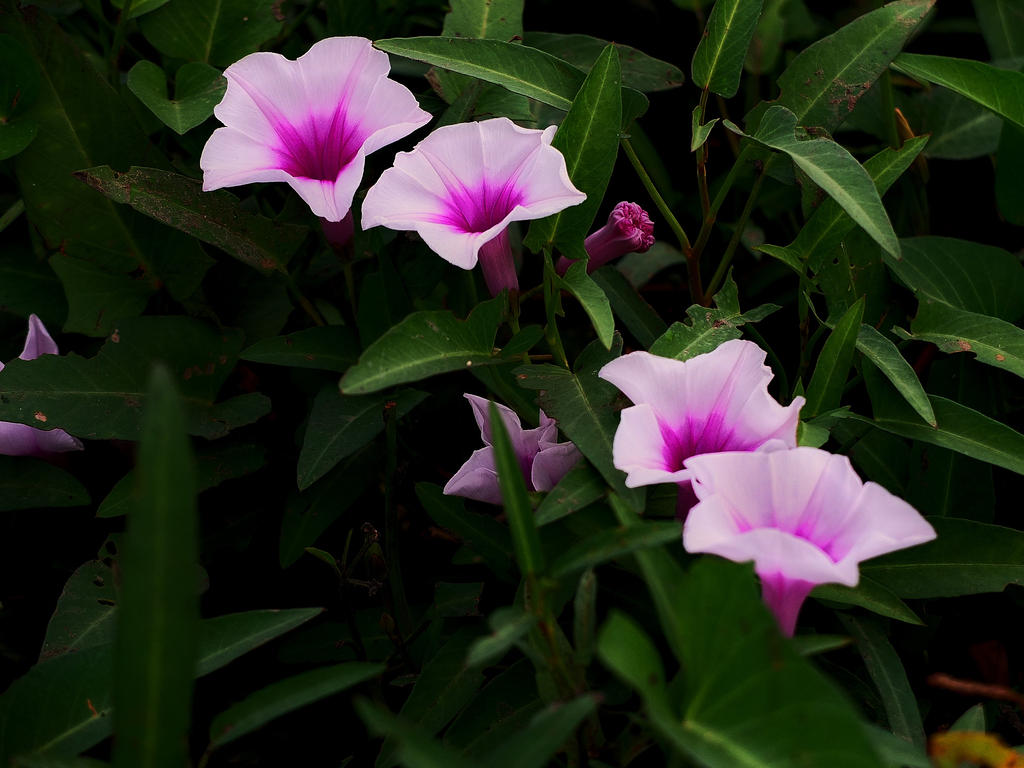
23	440
552	463
639	449
231	158
477	478
38	341
881	523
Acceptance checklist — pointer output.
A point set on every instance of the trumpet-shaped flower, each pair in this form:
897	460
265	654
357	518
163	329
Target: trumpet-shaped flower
463	184
629	230
309	122
803	516
713	402
542	461
21	439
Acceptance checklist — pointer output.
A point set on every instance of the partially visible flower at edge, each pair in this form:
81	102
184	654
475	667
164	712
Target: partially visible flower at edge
542	461
803	517
464	184
717	401
309	122
21	439
629	230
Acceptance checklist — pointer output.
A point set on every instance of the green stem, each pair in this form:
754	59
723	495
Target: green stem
702	159
889	109
730	250
550	297
403	617
692	257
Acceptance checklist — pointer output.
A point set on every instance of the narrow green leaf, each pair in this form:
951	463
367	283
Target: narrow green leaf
138	7
580	487
588	138
967	558
29	483
326	348
519	68
508	627
456	600
593	300
640	71
699	131
833	169
887	358
1002	24
525	540
584	618
971	720
536	744
718	60
970	276
85	613
992	341
425	344
637	315
890	678
213	217
1000	90
625	648
871	595
412	744
608	545
223	639
339	425
894	751
826	388
198	88
157	624
285	696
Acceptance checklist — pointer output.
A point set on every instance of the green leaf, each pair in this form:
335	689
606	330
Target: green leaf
525	541
138	7
971	720
410	744
44	761
85	612
637	315
326	348
519	68
588	138
339	425
709	327
959	128
699	131
886	670
28	483
425	344
1002	24
640	71
1010	168
482	534
508	627
1000	90
960	429
215	464
663	576
993	341
823	84
826	388
584	618
548	731
718	60
887	358
495	20
581	403
593	300
456	600
833	169
750	699
871	595
896	752
967	558
611	544
639	268
102	397
34	711
830	224
218	32
158	616
198	88
625	648
215	217
285	696
966	275
28	284
580	487
443	688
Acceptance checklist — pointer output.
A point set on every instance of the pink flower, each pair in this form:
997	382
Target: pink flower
21	439
629	230
543	461
803	516
714	402
309	122
461	187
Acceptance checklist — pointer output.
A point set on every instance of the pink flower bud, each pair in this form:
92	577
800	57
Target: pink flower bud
629	230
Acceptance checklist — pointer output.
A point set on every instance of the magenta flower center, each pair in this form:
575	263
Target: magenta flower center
319	149
478	210
695	437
